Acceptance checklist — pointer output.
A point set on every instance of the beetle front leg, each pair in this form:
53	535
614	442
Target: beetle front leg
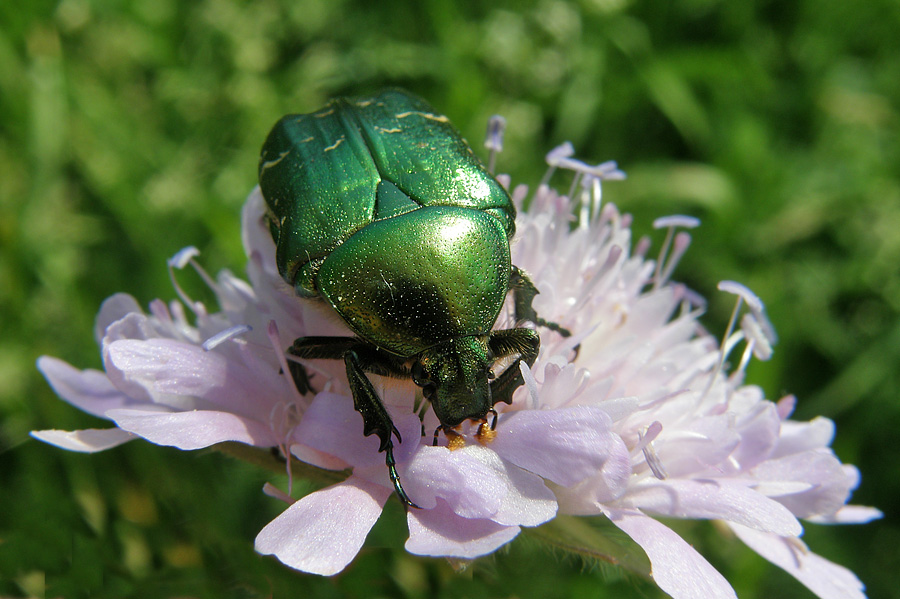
376	419
524	292
524	342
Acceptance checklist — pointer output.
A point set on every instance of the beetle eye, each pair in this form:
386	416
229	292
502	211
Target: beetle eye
490	375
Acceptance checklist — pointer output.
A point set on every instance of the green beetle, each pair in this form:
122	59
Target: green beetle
379	207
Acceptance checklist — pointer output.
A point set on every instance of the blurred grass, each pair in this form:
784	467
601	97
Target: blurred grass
131	129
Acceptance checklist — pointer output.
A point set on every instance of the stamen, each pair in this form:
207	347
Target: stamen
276	493
755	304
518	196
645	442
554	157
494	139
642	246
275	340
743	292
757	337
225	335
184	255
670	223
682	242
676	220
530	384
179	261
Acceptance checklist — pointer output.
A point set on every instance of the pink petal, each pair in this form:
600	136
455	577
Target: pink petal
85	441
829	482
797	437
324	531
759	427
675	566
114	308
331	425
564	446
712	499
178	374
528	501
476	484
471	489
440	532
88	390
194	429
824	578
850	514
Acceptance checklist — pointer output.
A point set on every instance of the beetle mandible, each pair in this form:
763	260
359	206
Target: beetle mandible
379	208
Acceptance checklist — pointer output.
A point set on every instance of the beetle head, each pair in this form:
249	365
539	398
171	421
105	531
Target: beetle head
455	377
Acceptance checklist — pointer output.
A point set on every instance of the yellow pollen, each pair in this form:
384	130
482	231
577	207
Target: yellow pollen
455	441
485	434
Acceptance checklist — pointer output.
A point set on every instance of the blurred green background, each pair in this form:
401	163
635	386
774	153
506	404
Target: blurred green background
131	129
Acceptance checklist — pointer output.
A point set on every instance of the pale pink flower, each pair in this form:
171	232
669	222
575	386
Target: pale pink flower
702	445
632	416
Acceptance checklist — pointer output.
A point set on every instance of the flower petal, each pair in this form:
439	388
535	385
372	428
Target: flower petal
114	308
186	376
322	532
713	499
331	425
441	532
675	566
86	441
88	390
565	446
824	578
194	429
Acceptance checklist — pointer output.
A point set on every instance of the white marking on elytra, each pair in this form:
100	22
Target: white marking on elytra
427	115
339	141
393	130
271	163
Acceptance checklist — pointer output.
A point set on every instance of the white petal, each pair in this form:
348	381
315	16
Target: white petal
441	532
566	445
713	499
194	429
675	566
177	374
88	390
86	441
324	531
824	578
114	308
850	514
331	425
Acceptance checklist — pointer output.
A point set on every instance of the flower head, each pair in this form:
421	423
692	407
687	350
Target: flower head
633	415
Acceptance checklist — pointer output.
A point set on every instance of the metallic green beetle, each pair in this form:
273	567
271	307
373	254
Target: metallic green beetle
379	207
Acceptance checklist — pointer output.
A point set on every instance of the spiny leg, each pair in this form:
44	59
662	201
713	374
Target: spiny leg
524	342
376	419
360	357
524	292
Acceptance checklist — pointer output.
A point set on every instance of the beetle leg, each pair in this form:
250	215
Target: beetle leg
395	478
524	342
376	419
312	348
523	294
